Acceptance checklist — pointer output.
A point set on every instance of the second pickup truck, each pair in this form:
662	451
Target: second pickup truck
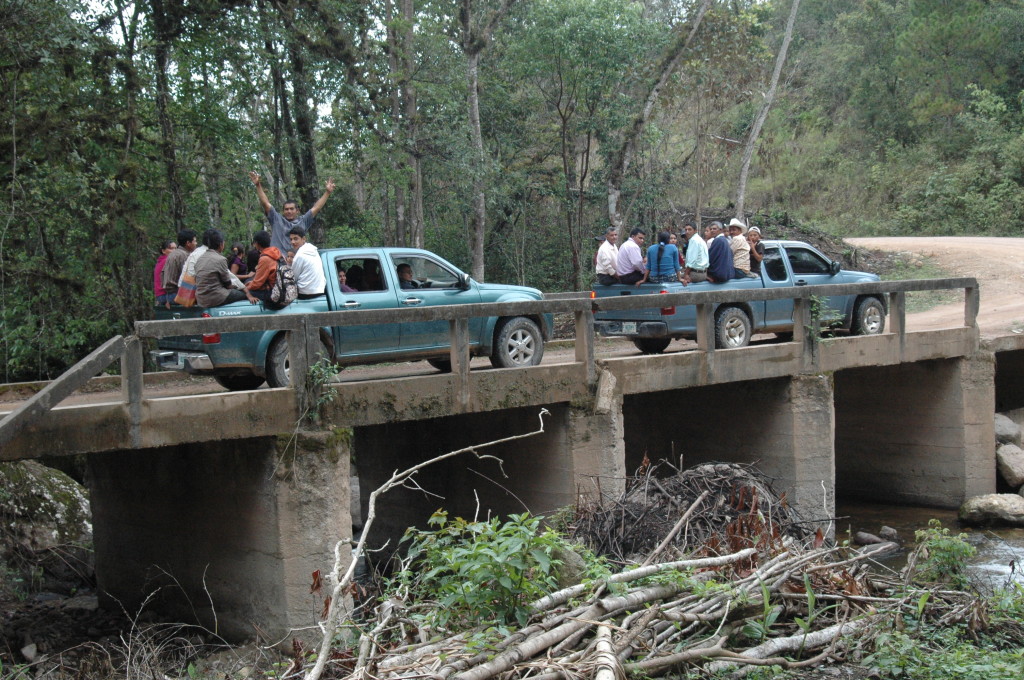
785	263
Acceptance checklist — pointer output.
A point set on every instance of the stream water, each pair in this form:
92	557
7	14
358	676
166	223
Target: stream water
1000	556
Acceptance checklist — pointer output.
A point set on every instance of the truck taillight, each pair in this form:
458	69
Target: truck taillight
667	311
210	338
593	295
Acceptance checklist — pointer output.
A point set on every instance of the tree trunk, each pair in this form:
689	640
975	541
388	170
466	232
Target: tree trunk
411	118
755	131
163	29
667	65
305	171
473	42
478	222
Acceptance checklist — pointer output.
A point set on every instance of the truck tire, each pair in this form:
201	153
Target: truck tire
277	362
238	383
517	342
652	345
732	328
868	317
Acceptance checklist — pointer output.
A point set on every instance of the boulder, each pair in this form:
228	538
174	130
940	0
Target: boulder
890	534
43	509
1004	509
1007	431
864	538
1010	463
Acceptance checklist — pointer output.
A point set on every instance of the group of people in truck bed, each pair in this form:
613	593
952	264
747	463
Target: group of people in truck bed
188	273
722	253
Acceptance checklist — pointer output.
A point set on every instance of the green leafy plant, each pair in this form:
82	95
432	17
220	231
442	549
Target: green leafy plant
318	377
761	629
480	570
941	556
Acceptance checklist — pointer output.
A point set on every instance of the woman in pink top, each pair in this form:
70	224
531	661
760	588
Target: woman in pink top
158	289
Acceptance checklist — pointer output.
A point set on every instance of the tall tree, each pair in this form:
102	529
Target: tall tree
475	31
762	115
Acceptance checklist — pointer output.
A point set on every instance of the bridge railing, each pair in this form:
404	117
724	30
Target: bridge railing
304	342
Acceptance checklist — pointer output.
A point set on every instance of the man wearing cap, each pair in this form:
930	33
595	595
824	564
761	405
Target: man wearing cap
696	256
740	247
607	257
630	263
756	250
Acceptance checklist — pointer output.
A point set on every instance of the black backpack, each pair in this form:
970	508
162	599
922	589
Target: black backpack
284	290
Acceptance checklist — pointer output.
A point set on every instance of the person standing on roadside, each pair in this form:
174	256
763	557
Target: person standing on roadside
281	223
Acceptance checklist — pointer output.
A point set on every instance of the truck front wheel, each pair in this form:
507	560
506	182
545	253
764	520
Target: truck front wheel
277	362
652	345
732	328
868	317
518	342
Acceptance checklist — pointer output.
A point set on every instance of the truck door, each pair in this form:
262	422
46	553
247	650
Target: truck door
813	269
368	290
430	282
777	313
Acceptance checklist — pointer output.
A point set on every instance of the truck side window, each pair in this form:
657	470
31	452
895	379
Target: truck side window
773	265
428	273
804	261
361	274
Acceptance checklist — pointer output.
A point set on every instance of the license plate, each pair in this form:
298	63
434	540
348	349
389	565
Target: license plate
629	326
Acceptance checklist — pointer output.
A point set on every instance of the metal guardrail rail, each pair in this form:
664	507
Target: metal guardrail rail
304	343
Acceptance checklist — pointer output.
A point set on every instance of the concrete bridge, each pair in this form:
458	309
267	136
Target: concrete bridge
237	498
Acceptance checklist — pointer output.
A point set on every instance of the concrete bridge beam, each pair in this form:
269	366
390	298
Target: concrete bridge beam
918	433
223	534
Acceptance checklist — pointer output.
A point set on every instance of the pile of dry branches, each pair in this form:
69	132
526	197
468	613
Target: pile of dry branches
708	507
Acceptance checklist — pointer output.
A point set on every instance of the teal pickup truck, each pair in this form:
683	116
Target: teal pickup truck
785	263
243	361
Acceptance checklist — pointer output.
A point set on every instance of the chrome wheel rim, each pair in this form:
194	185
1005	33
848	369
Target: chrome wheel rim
520	347
735	332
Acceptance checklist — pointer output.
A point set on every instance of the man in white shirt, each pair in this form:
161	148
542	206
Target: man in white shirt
630	262
309	272
607	256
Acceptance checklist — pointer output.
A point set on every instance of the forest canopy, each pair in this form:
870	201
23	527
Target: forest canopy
494	132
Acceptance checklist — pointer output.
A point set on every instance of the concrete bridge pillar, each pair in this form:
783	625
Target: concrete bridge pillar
596	443
799	447
918	433
227	532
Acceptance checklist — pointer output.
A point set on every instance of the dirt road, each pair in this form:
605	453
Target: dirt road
997	264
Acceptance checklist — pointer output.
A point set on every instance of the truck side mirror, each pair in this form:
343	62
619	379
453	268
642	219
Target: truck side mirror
463	281
834	268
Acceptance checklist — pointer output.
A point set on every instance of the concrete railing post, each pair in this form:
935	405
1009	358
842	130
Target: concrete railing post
458	334
585	342
705	328
298	366
131	387
972	302
898	319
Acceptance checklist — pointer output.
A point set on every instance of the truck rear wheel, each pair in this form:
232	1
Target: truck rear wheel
732	328
238	383
518	342
652	345
277	362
